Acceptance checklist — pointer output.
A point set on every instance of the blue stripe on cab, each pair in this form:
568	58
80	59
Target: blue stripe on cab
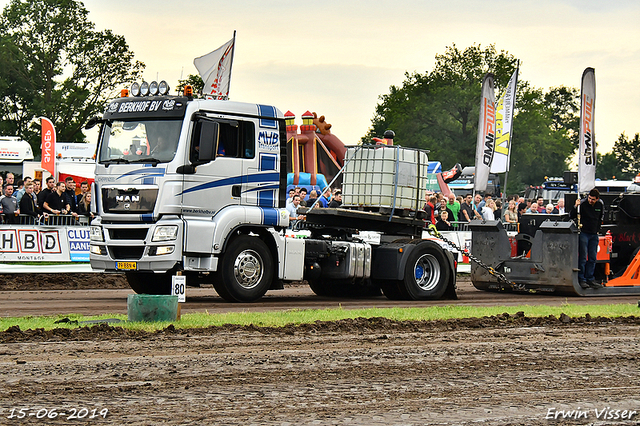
147	217
268	162
270	217
266	198
264	178
267	111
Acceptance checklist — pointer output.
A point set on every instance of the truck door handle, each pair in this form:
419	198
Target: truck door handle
235	191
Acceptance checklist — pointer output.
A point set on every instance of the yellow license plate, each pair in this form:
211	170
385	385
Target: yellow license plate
127	266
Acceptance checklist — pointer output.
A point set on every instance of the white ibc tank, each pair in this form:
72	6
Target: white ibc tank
385	176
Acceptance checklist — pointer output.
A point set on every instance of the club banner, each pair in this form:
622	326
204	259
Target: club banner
486	134
504	124
587	155
215	70
48	146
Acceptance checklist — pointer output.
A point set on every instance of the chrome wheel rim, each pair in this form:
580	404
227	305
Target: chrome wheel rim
427	272
248	269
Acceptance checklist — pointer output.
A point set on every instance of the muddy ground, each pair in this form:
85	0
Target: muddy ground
503	370
506	370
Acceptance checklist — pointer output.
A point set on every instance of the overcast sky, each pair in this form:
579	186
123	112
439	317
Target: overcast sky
336	57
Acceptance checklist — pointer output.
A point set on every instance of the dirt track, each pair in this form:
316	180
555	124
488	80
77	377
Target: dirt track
96	294
503	370
499	371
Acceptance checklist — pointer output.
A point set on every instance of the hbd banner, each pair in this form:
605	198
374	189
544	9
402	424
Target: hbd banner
44	244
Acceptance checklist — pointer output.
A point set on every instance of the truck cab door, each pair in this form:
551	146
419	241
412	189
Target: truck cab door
213	172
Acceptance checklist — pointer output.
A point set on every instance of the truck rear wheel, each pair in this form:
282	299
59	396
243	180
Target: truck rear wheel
426	274
149	283
246	271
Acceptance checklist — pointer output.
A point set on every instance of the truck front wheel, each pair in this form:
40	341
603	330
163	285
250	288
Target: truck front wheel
149	283
246	271
426	274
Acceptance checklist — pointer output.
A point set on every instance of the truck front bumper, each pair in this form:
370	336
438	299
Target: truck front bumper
136	247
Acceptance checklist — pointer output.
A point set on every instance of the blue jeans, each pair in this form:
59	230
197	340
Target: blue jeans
587	253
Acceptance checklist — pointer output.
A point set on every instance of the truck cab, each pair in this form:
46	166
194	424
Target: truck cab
166	170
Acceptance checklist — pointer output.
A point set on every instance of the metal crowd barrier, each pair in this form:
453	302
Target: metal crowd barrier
52	220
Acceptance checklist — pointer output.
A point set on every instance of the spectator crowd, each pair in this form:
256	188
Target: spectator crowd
27	197
300	197
448	212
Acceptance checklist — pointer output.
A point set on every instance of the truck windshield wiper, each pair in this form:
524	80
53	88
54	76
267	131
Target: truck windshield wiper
155	161
114	161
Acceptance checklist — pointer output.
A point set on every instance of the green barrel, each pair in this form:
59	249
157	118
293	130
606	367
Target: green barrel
150	308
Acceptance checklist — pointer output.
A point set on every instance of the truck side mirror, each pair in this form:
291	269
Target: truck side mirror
209	133
92	122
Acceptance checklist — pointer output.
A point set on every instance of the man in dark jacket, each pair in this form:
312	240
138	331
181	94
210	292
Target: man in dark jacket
336	201
50	188
27	203
56	202
70	194
589	214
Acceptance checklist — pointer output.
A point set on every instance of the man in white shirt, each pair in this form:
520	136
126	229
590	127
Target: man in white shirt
292	208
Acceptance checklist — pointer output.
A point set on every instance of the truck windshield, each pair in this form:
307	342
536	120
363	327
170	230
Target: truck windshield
140	141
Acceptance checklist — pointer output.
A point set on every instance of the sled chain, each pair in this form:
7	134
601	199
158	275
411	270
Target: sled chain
502	279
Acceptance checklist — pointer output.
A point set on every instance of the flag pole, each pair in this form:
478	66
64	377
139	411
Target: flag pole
233	51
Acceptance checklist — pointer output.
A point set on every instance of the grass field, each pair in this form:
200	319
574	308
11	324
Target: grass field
296	316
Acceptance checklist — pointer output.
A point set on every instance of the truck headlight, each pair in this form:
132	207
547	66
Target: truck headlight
99	250
160	250
95	233
165	233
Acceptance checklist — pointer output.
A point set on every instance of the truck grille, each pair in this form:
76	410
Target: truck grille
128	233
131	200
126	253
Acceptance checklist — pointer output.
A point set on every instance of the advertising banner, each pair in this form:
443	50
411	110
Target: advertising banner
587	153
486	134
504	125
48	145
28	243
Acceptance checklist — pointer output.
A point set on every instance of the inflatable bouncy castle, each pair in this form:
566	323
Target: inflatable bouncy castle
316	155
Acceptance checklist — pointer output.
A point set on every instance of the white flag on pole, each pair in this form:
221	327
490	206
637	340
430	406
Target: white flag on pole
504	125
486	134
587	154
215	70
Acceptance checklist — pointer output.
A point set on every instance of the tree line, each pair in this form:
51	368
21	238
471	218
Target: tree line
438	110
54	63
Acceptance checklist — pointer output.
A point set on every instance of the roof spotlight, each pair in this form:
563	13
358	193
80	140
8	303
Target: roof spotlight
144	88
135	89
163	87
153	88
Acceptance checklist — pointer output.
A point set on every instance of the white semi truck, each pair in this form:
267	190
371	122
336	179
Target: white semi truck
198	186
